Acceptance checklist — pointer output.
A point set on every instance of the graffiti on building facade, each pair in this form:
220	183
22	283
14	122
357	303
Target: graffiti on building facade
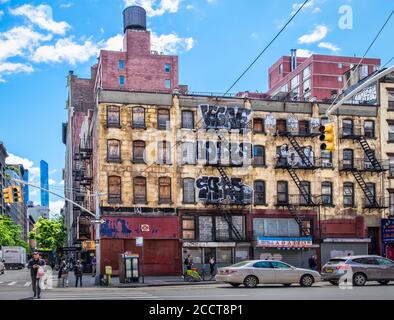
215	190
289	156
222	117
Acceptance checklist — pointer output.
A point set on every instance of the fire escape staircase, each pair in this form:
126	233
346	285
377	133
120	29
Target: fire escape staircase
370	154
363	185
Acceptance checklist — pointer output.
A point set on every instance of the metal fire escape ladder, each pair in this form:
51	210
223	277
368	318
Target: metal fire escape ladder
369	152
299	150
296	215
233	193
363	185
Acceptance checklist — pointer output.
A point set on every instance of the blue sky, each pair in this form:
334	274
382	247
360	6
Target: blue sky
40	41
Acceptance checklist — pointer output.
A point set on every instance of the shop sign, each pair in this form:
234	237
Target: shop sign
387	230
88	245
145	228
139	242
297	243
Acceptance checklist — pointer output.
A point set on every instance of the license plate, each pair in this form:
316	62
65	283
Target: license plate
330	270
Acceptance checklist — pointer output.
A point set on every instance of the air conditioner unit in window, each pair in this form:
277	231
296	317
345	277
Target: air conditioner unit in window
327	165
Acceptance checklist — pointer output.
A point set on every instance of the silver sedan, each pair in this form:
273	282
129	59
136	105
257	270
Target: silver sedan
253	273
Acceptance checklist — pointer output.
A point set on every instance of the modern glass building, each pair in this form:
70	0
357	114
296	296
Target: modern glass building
44	183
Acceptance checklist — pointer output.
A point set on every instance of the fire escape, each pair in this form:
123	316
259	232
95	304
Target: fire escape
305	199
370	164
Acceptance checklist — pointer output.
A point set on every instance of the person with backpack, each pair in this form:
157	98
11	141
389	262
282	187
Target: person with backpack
78	273
36	272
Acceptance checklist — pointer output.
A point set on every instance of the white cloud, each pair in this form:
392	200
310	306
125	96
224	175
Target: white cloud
51	182
19	40
318	34
114	43
66	50
56	206
303	53
155	7
66	5
41	16
171	43
310	5
13	159
1	13
329	46
7	68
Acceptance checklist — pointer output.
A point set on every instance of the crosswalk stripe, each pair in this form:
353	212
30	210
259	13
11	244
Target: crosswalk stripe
27	284
12	283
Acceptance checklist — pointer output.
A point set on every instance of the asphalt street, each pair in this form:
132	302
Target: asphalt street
15	285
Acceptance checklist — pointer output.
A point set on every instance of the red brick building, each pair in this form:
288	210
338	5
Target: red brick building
317	77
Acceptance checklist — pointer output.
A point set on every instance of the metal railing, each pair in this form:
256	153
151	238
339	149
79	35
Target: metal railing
354	132
381	203
363	165
298	200
297	163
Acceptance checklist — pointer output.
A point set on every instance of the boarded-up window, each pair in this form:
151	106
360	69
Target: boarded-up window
188	228
189	193
163	117
222	229
139	151
140	190
113	116
164	152
272	227
165	190
258	125
187	119
138	117
114	189
113	149
205	228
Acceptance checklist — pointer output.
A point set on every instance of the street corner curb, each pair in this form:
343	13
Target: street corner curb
167	284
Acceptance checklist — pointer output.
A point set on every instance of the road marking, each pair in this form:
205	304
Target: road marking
12	283
27	284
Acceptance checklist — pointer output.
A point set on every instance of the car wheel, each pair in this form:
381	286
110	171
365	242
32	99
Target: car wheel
251	282
359	279
307	280
333	282
235	285
287	284
384	282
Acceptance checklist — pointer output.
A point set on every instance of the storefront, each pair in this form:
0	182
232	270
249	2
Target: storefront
340	247
162	250
388	238
294	251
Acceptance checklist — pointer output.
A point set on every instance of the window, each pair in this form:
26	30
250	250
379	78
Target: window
326	193
340	79
121	64
391	132
391	203
205	228
140	190
164	152
372	188
340	65
163	117
259	192
263	265
391	99
369	129
303	127
385	262
282	192
113	151
259	156
113	117
224	256
187	119
391	165
280	69
138	118
164	190
281	126
280	265
307	73
221	229
347	127
188	155
295	82
167	68
168	84
189	193
138	151
326	159
121	81
188	228
348	195
258	125
307	85
114	189
367	163
348	159
274	227
363	72
305	199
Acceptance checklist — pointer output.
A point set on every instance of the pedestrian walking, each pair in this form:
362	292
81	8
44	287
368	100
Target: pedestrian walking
78	273
64	269
93	263
212	265
36	272
312	263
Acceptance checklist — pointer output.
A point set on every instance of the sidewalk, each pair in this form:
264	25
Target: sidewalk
89	281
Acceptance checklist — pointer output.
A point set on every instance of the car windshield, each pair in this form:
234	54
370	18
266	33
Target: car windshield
240	264
336	261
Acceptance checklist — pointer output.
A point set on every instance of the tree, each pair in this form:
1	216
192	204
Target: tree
49	234
10	233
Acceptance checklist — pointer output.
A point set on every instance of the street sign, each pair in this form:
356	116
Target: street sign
139	242
101	221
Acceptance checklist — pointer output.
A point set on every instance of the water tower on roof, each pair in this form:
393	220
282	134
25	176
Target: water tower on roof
134	18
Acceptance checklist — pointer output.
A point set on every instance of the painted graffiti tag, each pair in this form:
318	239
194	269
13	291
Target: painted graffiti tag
222	117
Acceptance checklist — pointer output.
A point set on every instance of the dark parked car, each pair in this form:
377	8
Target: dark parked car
359	270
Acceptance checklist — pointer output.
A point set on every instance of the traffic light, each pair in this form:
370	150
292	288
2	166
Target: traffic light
16	194
7	195
327	137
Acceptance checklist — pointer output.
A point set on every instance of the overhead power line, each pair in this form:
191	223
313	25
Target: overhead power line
265	49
